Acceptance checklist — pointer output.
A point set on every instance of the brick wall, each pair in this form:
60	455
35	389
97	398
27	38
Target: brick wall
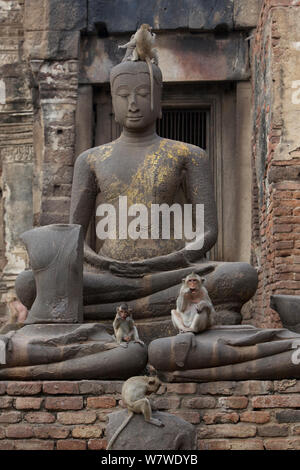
276	157
71	415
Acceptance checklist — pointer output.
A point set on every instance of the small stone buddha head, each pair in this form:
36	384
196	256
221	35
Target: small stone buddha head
131	94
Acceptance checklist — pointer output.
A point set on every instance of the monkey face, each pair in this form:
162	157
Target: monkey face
153	384
131	95
193	282
123	313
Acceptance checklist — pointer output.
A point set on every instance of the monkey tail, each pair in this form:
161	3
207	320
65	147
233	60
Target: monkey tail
149	63
119	430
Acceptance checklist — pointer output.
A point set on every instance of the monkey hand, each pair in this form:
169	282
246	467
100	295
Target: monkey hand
156	422
186	291
139	341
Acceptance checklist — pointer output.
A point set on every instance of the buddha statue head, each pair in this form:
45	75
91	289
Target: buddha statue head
131	95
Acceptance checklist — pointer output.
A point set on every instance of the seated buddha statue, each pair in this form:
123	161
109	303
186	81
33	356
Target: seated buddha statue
146	170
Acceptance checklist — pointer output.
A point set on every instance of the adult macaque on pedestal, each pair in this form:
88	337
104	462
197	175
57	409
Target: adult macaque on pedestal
134	397
194	310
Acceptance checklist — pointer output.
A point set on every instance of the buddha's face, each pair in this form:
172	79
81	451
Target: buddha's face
131	94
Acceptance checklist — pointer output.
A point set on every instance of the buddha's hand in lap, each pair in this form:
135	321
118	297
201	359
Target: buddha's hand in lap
135	269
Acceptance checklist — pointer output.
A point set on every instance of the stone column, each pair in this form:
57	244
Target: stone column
52	31
276	156
16	148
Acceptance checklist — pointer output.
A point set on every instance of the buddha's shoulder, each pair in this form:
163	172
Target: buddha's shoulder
94	154
181	149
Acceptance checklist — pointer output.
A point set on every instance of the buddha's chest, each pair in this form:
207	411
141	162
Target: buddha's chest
151	178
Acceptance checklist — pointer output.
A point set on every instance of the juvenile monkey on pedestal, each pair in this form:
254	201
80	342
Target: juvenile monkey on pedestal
124	327
194	309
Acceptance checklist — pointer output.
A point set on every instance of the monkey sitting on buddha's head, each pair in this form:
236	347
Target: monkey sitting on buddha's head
194	309
124	327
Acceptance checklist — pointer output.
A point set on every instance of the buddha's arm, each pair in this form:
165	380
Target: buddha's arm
84	192
200	191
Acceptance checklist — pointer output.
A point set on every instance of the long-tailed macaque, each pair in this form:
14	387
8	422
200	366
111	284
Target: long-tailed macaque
124	327
194	309
134	397
141	45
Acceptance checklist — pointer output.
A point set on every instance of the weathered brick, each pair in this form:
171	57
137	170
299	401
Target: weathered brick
247	444
19	431
101	402
64	403
259	417
7	445
33	444
192	417
6	402
217	417
182	388
103	415
112	387
233	402
10	417
51	432
86	432
80	417
71	444
61	388
288	416
276	401
226	430
24	388
294	443
295	430
97	444
2	432
90	387
199	402
39	417
273	430
2	388
166	403
282	228
28	403
276	444
216	388
214	444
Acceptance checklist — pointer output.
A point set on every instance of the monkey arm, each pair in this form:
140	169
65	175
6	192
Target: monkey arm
131	43
182	300
116	323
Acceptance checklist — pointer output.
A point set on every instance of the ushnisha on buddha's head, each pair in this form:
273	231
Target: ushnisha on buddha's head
131	94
